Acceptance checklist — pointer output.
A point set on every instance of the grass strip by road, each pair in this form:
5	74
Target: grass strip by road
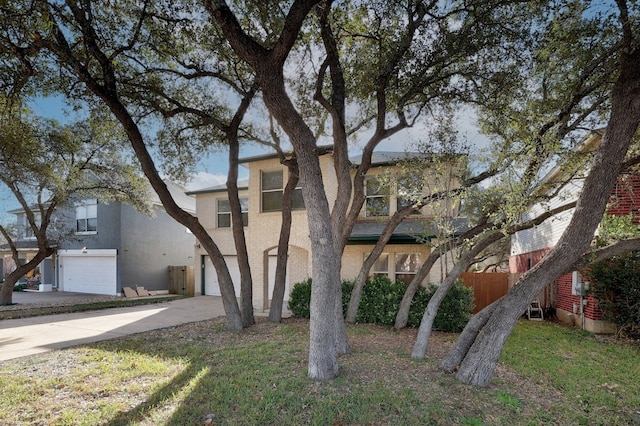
82	307
201	374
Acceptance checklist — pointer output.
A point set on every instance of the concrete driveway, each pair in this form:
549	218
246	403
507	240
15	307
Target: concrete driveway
27	336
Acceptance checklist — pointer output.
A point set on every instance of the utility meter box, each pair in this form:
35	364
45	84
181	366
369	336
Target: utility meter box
578	287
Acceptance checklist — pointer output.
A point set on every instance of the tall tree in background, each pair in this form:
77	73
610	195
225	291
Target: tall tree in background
102	49
45	166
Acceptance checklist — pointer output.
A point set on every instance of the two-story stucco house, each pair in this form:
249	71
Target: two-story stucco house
109	246
261	196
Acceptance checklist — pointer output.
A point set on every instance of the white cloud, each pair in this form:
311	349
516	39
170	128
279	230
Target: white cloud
202	180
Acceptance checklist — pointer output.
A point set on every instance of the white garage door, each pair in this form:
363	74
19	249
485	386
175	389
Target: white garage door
211	284
91	271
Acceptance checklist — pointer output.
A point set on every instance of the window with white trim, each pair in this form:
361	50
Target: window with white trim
408	192
272	188
377	198
224	212
25	226
87	216
406	266
381	266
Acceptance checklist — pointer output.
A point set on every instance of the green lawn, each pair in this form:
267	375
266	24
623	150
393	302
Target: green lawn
200	374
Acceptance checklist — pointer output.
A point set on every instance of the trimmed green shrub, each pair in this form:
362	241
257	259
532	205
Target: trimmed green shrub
300	299
381	300
455	309
615	283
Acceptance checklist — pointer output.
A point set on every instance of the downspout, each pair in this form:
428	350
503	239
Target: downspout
581	311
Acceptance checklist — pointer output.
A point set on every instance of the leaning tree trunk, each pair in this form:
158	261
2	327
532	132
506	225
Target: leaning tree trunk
356	292
402	317
6	292
229	301
464	341
105	87
422	340
279	287
424	332
480	360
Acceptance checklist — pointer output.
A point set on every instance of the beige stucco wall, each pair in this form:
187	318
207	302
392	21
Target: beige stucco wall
206	211
354	256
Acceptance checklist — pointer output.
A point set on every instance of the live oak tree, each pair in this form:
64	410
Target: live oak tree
411	66
610	70
45	166
91	54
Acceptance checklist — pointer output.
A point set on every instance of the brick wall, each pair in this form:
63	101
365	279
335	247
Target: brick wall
566	300
625	197
523	262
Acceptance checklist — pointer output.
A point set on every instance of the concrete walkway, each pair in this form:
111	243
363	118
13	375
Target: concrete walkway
27	336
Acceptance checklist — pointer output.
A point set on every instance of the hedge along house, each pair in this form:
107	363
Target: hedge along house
260	197
571	299
108	246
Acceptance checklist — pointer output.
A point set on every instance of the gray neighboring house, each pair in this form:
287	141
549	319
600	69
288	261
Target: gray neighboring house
112	246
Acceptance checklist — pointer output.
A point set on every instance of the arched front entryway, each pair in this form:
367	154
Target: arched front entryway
297	270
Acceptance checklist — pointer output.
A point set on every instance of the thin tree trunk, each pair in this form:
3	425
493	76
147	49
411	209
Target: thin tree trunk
246	283
402	317
277	299
383	239
424	332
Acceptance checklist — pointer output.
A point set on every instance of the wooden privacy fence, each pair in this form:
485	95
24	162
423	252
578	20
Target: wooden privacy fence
182	280
487	287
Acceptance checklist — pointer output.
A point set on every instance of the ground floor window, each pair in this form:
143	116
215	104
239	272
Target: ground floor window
406	266
381	267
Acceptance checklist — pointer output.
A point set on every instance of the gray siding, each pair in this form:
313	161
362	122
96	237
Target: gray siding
149	246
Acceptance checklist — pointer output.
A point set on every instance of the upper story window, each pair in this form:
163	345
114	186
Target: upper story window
224	213
409	192
23	223
272	187
87	216
377	198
